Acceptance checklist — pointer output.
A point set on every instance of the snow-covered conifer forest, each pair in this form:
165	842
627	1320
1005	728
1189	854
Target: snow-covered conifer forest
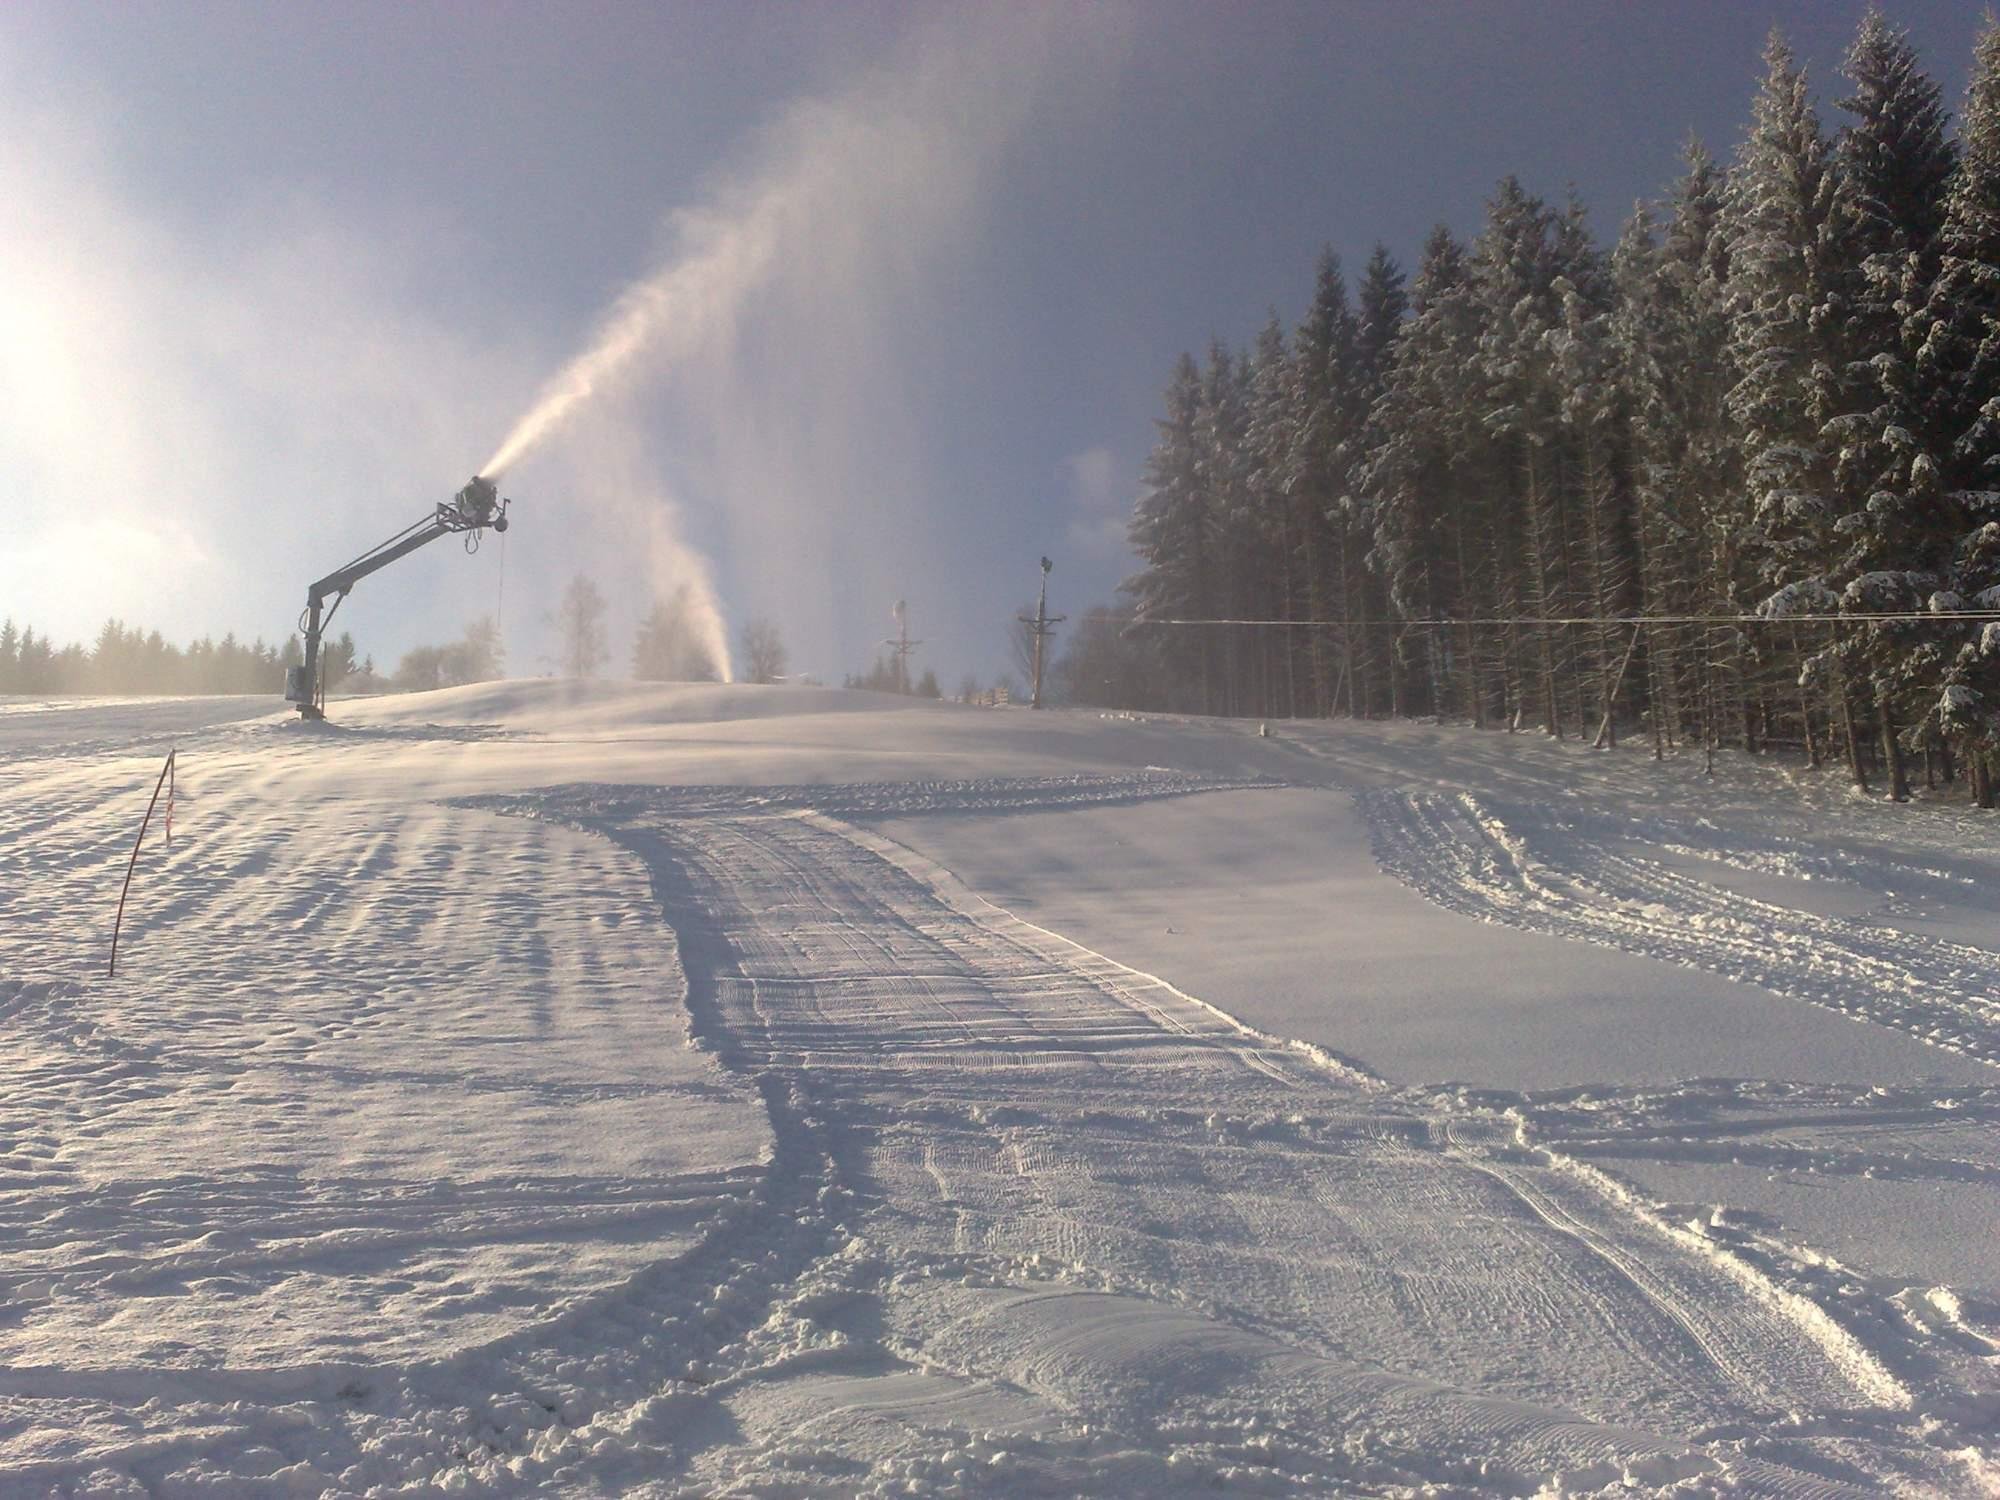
1734	480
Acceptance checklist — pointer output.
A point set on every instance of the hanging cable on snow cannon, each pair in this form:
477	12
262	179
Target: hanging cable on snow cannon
471	511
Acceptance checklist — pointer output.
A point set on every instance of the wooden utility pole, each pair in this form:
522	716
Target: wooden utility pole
1044	625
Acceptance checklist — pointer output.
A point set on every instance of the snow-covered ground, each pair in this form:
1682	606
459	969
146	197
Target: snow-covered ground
731	1090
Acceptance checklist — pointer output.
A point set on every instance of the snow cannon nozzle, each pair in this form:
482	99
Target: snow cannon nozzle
479	504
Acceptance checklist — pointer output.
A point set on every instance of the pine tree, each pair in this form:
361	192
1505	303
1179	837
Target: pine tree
37	663
1891	165
1897	157
1786	272
1323	451
338	660
1383	305
1270	429
1173	532
1426	507
1518	405
1106	664
1596	446
1673	328
1222	465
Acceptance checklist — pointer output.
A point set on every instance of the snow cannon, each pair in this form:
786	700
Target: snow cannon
472	510
480	504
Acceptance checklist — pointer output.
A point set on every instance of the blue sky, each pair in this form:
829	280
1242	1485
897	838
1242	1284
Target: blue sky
276	278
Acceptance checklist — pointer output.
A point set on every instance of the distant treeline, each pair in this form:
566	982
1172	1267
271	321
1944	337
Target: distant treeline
126	660
888	674
1765	420
668	646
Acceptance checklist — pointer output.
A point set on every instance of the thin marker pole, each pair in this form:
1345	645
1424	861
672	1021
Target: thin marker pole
133	863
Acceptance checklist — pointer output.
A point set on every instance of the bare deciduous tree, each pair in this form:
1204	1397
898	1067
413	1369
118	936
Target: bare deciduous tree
1021	642
763	651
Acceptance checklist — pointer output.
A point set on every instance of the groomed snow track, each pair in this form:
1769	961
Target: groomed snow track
1029	1222
1038	1223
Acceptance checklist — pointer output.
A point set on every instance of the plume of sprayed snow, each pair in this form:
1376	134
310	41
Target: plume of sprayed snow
666	317
769	325
821	167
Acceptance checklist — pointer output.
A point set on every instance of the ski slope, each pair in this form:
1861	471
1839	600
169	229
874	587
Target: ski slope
691	1091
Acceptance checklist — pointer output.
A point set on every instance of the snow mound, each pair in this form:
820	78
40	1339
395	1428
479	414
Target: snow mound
546	705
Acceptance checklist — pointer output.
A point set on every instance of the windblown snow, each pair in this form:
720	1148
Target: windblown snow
703	1091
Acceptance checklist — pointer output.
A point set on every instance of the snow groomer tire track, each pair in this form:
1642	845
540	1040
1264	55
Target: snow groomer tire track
1464	855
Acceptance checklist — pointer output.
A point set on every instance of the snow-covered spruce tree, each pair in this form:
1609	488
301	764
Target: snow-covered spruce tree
1257	555
1891	165
1323	450
1222	458
1268	435
1673	328
1952	462
1383	304
1173	531
1519	401
1786	277
1481	514
1598	417
1426	512
1596	446
1639	332
1706	442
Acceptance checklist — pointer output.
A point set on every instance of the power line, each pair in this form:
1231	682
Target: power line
1963	616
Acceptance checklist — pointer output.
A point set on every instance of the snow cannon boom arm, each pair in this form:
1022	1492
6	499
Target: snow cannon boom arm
472	510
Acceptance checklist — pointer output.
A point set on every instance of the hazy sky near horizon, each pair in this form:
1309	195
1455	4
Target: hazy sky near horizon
274	279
